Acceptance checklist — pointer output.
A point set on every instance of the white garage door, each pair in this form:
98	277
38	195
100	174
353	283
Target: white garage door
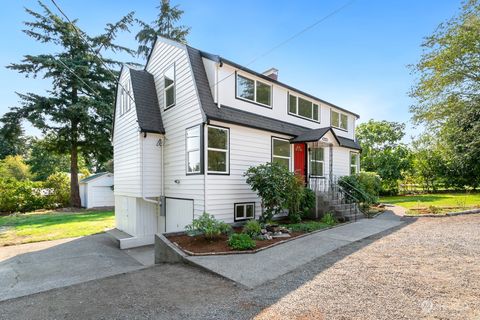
178	213
101	197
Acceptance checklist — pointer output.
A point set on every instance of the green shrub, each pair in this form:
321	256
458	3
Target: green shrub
434	209
21	196
241	241
307	226
329	219
364	186
308	201
59	183
272	182
252	228
208	226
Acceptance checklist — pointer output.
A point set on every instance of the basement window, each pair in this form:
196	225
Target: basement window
169	87
244	211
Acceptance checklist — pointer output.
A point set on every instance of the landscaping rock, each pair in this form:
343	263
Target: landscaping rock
282	235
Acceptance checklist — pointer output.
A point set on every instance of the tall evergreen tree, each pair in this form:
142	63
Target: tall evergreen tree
164	25
77	111
12	137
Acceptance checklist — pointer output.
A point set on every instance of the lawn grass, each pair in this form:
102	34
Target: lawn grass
34	227
453	200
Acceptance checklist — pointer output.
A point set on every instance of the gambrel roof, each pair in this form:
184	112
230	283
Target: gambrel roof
146	102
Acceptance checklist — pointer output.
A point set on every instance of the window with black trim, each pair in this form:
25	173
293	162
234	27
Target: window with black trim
193	149
169	86
317	158
281	152
218	150
244	211
354	162
303	108
254	90
338	120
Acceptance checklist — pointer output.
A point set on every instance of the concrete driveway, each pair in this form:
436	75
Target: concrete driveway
36	267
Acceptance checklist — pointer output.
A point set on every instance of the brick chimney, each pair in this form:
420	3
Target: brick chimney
272	73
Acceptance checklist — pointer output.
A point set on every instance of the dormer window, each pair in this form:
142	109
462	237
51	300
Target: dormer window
303	108
338	120
169	86
254	91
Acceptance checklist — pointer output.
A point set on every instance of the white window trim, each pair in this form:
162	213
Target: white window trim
172	85
254	91
244	205
199	149
357	165
283	157
227	151
297	114
125	104
320	161
339	119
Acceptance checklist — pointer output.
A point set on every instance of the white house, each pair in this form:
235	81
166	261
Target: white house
191	123
97	190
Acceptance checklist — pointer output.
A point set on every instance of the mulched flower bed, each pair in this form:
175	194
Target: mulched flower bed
199	244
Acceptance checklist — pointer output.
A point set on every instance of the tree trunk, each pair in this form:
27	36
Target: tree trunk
74	188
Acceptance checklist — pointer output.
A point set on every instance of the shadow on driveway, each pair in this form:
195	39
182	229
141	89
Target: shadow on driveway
60	263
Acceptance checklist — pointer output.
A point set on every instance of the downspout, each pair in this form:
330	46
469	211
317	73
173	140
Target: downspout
144	198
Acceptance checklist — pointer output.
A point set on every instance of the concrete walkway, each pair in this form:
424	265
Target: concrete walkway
252	270
31	268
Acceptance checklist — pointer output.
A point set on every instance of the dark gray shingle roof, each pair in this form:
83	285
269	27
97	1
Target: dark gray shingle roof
146	101
349	143
312	135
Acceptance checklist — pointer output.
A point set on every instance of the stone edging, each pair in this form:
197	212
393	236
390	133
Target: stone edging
443	215
185	253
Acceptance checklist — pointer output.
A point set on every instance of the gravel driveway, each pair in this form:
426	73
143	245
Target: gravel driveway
428	269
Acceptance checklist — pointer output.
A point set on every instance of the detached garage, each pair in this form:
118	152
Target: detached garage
97	190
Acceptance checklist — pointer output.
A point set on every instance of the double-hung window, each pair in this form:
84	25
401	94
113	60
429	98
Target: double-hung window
354	162
317	156
169	86
338	120
125	103
218	150
244	211
193	149
254	90
281	152
303	108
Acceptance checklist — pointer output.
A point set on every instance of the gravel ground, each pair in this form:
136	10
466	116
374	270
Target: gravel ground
428	269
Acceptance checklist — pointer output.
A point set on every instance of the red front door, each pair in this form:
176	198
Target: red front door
299	159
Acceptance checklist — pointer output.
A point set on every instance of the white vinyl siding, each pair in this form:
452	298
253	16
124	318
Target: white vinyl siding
126	144
176	120
248	147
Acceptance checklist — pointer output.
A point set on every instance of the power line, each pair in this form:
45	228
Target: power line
78	77
311	26
96	54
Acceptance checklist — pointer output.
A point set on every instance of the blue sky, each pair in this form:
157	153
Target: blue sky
356	59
